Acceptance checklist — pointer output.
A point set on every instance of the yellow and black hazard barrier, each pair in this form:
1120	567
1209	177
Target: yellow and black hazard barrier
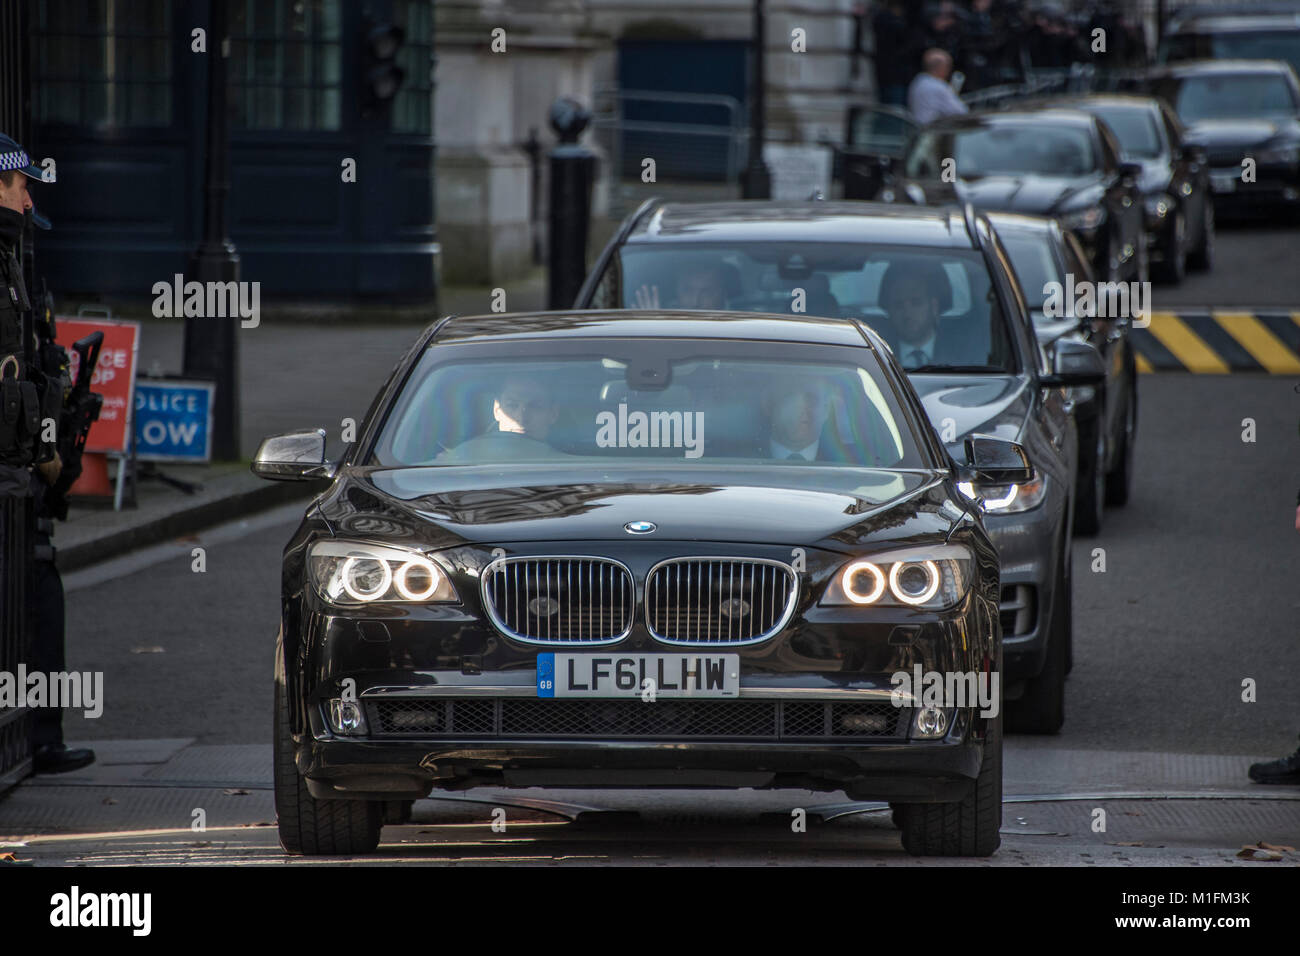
1220	341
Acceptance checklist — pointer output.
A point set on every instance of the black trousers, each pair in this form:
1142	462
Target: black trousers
47	644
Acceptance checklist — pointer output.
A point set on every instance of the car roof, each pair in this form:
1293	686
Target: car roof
1020	113
1235	23
1197	67
803	221
1085	100
1019	222
652	323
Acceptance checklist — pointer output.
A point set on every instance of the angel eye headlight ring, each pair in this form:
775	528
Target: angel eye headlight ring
402	579
350	565
846	582
895	583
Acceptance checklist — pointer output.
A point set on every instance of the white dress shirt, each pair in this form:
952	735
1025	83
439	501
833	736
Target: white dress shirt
781	453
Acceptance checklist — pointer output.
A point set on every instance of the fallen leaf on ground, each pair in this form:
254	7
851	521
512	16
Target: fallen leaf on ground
155	649
1259	853
235	792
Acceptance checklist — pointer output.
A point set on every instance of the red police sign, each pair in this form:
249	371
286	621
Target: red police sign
114	376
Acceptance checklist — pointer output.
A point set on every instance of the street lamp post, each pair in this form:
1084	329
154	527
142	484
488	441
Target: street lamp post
211	349
757	181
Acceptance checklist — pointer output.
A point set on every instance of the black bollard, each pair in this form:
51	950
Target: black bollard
573	170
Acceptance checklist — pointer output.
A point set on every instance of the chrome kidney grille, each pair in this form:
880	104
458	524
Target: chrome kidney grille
719	601
560	600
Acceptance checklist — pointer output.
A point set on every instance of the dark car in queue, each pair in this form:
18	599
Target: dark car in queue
1237	110
1042	162
981	370
1050	265
1175	179
583	550
1246	32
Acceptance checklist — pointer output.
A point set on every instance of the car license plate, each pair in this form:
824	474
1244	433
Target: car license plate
1224	182
629	675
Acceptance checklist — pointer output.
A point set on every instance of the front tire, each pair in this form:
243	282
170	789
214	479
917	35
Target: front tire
1119	480
970	827
1090	500
1202	257
316	827
1174	267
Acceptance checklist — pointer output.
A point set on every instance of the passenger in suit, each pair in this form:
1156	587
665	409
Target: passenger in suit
797	408
913	296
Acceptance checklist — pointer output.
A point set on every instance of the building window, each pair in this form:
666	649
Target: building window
103	63
413	104
285	63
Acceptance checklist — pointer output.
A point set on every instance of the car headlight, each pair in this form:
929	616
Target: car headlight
1007	499
355	573
924	577
1084	220
1159	205
1279	155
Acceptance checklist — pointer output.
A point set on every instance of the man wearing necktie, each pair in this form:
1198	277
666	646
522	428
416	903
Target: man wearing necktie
797	406
913	307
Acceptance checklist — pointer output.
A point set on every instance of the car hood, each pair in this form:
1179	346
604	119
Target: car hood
1028	194
1222	133
996	405
437	507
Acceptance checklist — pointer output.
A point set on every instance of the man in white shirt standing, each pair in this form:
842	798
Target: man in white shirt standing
930	97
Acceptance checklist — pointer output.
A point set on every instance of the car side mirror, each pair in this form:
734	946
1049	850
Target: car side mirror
294	456
996	461
1074	363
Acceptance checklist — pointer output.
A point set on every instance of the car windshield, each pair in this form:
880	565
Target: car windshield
1230	96
1003	149
689	402
939	299
1135	128
1036	267
1281	45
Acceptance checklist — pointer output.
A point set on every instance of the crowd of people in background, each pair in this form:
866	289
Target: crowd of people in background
994	42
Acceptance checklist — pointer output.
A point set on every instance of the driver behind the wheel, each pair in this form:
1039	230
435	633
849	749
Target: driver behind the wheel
523	408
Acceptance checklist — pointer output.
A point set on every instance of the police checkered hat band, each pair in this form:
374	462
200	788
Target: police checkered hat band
15	160
13	156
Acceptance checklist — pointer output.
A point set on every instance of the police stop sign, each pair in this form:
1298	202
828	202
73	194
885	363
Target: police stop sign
114	376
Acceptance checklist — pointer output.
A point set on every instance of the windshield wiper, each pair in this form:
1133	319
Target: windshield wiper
955	368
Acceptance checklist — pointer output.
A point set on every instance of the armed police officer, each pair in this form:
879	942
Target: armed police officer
24	407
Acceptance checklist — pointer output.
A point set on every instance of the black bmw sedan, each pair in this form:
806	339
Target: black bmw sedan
1049	263
933	282
1042	162
1175	179
1245	115
641	549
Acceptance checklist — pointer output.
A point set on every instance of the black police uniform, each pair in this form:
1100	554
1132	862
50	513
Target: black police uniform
19	426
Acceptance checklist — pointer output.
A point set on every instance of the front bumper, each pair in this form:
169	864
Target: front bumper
1027	548
1273	185
920	772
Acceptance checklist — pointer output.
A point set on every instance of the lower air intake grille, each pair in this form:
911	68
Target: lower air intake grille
596	719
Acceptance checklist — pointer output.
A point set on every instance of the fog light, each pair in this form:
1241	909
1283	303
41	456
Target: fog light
346	717
863	724
930	722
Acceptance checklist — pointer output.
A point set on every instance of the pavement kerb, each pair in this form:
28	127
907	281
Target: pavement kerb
257	495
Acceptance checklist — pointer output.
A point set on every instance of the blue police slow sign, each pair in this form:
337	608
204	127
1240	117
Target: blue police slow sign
173	420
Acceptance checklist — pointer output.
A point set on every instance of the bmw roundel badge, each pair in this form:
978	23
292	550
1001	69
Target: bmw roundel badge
640	527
